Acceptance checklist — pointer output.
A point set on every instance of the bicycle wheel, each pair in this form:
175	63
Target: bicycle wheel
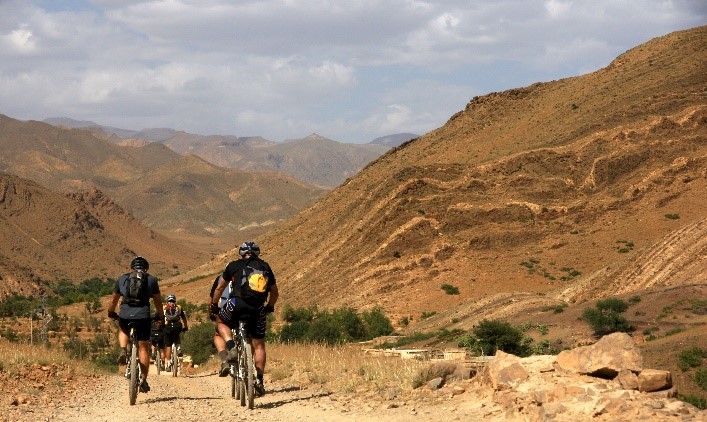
235	391
158	360
249	375
240	375
134	376
175	360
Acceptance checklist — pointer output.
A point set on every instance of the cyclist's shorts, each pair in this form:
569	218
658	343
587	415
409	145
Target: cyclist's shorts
236	309
143	327
171	333
157	338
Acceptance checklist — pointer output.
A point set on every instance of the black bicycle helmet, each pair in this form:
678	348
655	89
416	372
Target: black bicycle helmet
249	248
139	263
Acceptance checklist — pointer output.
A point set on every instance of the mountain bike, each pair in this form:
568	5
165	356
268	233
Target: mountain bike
243	369
133	372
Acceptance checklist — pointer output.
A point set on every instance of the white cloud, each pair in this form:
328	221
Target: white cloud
21	40
285	68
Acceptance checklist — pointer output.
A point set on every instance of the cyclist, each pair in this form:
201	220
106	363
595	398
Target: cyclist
219	342
251	297
135	309
175	323
157	338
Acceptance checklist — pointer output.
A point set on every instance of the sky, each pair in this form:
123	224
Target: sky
348	70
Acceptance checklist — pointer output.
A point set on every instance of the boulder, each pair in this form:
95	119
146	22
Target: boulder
606	358
654	380
506	371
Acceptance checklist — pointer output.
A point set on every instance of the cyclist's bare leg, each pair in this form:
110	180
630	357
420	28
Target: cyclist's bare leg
223	330
144	352
220	345
123	339
259	355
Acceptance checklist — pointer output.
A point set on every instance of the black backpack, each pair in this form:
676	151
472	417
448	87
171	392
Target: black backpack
254	283
136	289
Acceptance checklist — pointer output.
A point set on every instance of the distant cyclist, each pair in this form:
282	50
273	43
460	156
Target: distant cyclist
253	295
175	323
136	288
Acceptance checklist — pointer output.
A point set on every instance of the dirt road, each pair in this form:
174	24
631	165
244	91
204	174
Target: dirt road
205	396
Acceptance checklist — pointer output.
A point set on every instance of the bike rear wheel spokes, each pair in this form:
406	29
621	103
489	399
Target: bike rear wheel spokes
134	374
158	360
175	360
249	372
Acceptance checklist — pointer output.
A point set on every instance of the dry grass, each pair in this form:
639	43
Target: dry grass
345	369
16	355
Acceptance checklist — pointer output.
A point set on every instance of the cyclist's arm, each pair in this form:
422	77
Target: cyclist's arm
158	306
114	302
216	297
272	297
184	320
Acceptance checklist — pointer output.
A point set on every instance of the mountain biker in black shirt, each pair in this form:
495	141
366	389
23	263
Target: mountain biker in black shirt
244	301
138	314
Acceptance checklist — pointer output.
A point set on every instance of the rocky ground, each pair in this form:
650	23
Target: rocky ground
603	382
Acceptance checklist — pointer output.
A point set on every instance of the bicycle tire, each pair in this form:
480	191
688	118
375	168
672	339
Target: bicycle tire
175	360
249	375
240	370
134	376
158	360
234	390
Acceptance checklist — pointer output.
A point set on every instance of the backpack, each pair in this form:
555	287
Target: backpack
172	312
136	289
254	284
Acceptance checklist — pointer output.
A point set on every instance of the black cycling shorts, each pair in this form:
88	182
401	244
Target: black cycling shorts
143	327
236	309
171	333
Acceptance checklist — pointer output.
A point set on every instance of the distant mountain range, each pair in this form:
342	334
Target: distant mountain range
313	159
161	188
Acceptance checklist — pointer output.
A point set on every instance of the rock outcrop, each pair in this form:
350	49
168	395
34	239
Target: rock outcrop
604	381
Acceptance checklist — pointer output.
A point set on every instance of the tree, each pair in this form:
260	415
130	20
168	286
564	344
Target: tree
493	335
605	318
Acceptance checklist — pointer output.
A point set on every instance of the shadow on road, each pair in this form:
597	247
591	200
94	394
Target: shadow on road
279	403
173	398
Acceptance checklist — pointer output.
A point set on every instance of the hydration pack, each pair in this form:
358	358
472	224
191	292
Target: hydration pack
136	289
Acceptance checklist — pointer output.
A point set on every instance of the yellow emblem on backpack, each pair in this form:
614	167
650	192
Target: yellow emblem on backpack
257	282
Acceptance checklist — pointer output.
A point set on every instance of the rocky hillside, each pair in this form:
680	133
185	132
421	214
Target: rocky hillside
557	190
52	237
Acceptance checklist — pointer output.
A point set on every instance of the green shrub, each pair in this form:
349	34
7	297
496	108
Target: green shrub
376	324
450	290
425	315
405	340
701	378
496	335
294	331
697	401
605	318
198	342
290	314
691	358
672	216
333	327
